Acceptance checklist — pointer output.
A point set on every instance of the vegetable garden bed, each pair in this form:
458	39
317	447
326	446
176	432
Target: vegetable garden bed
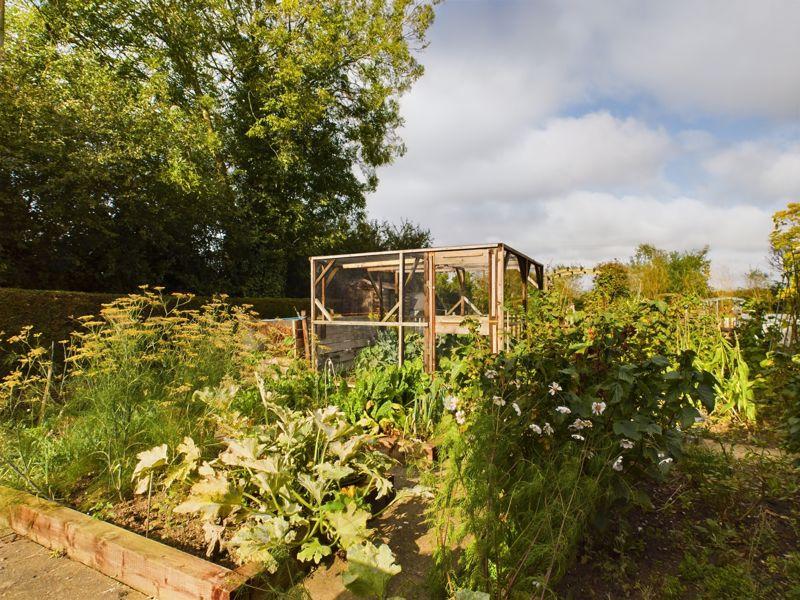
145	565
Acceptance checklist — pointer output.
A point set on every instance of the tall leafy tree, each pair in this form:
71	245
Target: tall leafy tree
203	144
785	247
655	271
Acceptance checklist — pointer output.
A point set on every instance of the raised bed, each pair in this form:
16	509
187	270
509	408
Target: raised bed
140	563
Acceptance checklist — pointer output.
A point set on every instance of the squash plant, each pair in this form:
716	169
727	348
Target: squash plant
296	485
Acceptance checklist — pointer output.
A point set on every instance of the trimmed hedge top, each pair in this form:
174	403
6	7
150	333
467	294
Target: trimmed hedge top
53	313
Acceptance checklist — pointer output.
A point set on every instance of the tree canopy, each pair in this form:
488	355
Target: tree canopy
204	145
655	271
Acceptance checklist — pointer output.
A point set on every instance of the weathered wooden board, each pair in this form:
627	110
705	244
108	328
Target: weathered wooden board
143	564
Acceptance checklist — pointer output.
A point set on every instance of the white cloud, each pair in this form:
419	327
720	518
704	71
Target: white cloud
495	151
734	57
594	150
758	170
588	226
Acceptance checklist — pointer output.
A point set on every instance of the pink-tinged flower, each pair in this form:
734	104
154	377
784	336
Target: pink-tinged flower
580	424
535	428
450	403
598	408
460	417
548	429
617	466
554	388
564	410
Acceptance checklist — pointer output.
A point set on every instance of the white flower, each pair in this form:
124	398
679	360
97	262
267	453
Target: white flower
516	408
554	388
460	417
617	466
626	443
666	461
450	403
535	428
564	410
577	436
498	401
548	429
699	419
490	373
661	454
598	407
580	424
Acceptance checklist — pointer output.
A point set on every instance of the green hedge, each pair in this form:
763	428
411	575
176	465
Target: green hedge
53	313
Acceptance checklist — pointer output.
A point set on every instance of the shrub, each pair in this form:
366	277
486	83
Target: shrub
541	439
127	383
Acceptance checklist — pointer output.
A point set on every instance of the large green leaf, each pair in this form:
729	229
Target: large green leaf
369	569
349	525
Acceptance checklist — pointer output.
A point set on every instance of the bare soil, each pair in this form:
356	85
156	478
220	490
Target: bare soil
158	522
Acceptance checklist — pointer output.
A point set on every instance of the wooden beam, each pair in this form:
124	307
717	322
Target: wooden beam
401	339
392	311
323	310
147	566
413	269
372	323
458	304
312	357
475	308
455	324
325	269
429	358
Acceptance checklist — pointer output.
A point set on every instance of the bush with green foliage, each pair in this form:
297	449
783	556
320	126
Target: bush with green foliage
127	383
542	439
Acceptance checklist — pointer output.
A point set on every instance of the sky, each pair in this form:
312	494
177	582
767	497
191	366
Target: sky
574	131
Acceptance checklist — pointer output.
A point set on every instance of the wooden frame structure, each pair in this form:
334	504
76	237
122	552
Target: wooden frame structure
143	564
432	290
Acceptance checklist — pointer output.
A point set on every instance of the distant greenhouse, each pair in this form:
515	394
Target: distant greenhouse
430	291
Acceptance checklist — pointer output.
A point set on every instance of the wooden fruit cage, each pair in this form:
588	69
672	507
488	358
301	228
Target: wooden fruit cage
430	291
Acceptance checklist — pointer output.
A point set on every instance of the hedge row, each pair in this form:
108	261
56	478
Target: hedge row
53	313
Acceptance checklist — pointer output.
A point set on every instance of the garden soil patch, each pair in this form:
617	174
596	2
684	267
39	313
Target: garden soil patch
184	532
692	530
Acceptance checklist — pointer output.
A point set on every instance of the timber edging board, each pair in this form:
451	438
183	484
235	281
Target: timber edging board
143	564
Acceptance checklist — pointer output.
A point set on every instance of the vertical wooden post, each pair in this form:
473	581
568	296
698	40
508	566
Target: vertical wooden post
430	312
400	287
501	297
491	266
311	326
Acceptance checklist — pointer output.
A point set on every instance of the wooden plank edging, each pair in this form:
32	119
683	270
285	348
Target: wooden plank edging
143	564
